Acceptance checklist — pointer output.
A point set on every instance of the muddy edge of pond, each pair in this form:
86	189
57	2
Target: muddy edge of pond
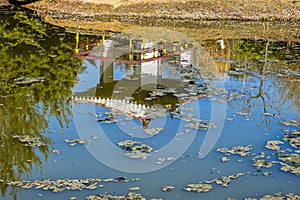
259	19
254	10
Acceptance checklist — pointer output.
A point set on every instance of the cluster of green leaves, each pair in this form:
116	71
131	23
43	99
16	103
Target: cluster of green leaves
31	47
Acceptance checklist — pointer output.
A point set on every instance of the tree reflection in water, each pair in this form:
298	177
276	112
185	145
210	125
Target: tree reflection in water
261	62
30	47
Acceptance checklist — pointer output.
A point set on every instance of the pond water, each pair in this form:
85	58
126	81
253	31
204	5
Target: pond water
143	111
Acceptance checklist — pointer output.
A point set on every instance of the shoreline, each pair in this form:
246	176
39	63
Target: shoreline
92	16
248	10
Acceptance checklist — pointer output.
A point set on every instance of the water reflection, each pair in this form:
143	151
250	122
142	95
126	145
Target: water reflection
269	71
261	77
31	48
139	71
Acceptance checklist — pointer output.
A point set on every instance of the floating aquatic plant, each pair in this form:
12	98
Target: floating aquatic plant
238	150
29	140
198	187
290	123
135	149
293	138
129	196
206	185
76	141
202	125
262	163
167	188
153	131
273	144
291	163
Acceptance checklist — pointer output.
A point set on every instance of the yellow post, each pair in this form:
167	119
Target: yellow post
174	48
186	45
130	49
87	44
103	46
130	44
165	48
77	43
144	43
103	39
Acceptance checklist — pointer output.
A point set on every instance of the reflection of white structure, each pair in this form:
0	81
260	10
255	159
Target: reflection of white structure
107	44
150	54
150	68
124	106
139	111
185	58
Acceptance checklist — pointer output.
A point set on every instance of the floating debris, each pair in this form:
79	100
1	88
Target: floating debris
262	163
277	196
293	138
205	186
243	113
202	125
29	140
273	144
167	188
108	118
270	114
121	179
153	131
56	151
267	173
57	185
291	163
135	149
199	187
229	119
161	160
288	73
239	150
134	188
224	159
129	196
27	80
225	180
76	141
290	123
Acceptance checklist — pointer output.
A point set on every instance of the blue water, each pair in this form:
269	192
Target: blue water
76	162
243	120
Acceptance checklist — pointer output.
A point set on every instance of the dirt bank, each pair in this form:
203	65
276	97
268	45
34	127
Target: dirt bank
256	19
266	10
